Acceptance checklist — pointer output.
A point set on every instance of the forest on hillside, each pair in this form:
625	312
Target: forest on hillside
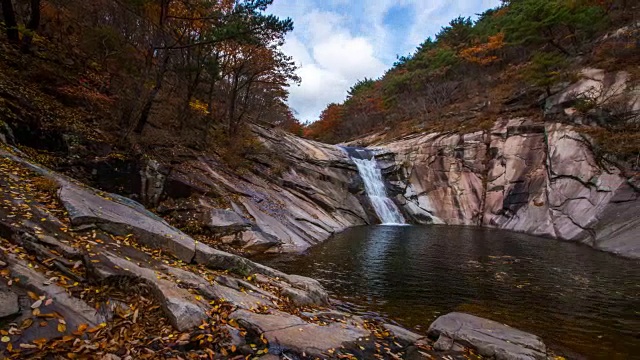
143	74
525	47
181	76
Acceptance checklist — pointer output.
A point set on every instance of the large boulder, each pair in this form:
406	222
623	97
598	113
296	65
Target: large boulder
489	338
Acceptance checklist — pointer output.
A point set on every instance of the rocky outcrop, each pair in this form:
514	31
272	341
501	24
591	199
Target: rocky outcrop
88	272
489	338
538	178
297	194
292	334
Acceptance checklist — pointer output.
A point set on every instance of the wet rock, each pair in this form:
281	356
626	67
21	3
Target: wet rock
8	303
489	338
403	334
294	334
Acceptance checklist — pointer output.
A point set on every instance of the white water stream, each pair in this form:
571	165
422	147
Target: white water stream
385	208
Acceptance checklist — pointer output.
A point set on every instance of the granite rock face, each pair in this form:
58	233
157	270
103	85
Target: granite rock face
112	246
540	179
297	194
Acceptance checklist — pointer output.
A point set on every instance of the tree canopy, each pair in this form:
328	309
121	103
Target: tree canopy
466	54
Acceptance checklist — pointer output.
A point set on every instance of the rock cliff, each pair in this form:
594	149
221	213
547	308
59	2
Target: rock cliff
539	178
297	194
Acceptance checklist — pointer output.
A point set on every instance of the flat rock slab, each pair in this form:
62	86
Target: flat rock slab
178	304
123	216
226	220
294	334
491	339
73	310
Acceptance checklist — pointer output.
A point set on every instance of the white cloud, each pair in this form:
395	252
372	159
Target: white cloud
351	57
330	60
337	42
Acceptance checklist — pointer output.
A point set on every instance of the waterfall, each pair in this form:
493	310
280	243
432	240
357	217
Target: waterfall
371	174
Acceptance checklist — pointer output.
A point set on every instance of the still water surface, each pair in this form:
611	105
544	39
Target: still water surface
582	302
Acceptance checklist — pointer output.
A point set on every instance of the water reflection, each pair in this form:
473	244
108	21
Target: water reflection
576	298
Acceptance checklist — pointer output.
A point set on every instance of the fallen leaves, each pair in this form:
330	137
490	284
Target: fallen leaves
26	323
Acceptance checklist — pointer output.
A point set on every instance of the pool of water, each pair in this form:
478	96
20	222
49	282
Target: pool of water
582	302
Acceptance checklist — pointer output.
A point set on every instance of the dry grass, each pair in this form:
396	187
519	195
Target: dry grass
46	185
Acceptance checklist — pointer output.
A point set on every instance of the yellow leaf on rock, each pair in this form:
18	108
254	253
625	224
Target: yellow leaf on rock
62	327
26	323
5	339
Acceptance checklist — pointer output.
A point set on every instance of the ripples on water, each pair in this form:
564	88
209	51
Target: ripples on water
581	301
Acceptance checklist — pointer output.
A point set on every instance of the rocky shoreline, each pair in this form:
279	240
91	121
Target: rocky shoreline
88	274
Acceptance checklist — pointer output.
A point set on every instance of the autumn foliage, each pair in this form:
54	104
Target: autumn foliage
188	72
517	44
484	53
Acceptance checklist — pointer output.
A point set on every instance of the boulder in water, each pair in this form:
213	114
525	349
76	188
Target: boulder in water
491	339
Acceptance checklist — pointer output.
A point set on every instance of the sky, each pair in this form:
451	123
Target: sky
338	42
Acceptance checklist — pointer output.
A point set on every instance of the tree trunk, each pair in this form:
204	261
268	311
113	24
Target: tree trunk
232	105
146	109
10	22
32	26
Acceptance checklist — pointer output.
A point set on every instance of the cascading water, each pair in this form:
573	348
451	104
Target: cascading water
371	174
